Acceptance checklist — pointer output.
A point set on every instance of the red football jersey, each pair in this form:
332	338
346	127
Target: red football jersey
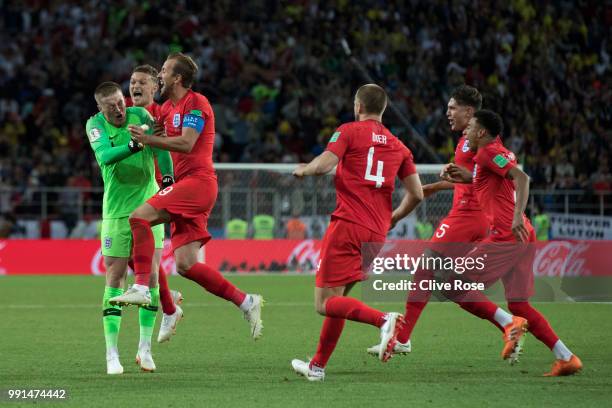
370	158
199	161
464	198
495	192
155	111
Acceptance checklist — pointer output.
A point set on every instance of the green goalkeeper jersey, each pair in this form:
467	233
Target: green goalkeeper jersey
129	178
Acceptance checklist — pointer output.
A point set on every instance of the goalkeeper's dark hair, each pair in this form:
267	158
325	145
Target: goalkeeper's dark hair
490	121
373	98
466	95
106	88
184	66
147	69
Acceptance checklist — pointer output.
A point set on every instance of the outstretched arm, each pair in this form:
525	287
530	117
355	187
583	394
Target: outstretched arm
320	165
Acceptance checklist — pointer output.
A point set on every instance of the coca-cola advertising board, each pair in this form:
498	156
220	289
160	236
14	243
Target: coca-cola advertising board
70	257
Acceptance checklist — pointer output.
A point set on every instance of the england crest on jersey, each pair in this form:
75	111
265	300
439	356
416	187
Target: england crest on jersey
176	120
465	146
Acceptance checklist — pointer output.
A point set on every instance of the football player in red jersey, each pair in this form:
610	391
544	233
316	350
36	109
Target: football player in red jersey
143	86
189	124
465	223
368	158
502	191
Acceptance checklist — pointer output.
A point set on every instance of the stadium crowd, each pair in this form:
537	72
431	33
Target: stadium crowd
280	81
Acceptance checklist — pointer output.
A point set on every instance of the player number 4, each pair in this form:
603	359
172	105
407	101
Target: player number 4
378	177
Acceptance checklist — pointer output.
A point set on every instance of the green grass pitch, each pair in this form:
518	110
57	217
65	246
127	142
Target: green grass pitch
51	337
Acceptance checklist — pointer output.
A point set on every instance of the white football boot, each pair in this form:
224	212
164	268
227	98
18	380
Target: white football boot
177	297
135	295
253	316
144	359
388	336
168	324
303	368
400	348
113	365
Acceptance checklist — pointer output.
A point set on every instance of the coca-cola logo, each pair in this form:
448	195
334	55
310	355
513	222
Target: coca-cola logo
305	253
97	262
561	258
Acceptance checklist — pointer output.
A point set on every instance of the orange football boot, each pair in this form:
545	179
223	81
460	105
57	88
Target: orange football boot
514	337
562	367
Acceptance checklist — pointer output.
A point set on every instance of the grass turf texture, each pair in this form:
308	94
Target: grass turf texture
51	337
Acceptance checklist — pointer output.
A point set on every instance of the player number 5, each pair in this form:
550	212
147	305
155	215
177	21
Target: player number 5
378	178
441	230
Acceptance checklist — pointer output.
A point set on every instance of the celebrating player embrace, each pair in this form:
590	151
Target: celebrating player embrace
129	179
143	86
190	128
368	158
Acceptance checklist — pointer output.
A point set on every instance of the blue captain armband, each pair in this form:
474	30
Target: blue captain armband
194	120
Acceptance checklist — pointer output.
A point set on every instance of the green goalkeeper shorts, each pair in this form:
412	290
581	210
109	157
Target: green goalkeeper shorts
116	237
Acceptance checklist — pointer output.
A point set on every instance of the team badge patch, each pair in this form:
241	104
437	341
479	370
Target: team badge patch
176	120
94	134
334	137
108	242
465	146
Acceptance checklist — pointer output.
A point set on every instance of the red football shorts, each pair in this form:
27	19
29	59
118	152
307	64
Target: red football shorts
189	203
462	226
341	257
512	262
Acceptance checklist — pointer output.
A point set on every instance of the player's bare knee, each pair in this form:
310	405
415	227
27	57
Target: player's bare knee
320	306
183	266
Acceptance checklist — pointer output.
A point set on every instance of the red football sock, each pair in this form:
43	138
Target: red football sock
215	283
413	311
165	298
484	310
538	325
416	302
143	249
352	309
330	333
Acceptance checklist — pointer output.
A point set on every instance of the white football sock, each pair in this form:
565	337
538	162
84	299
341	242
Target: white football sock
561	351
247	303
502	317
144	344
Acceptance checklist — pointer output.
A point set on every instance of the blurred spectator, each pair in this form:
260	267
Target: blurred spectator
296	229
236	228
541	223
263	226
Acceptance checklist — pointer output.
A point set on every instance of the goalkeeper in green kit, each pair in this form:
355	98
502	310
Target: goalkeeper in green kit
128	172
